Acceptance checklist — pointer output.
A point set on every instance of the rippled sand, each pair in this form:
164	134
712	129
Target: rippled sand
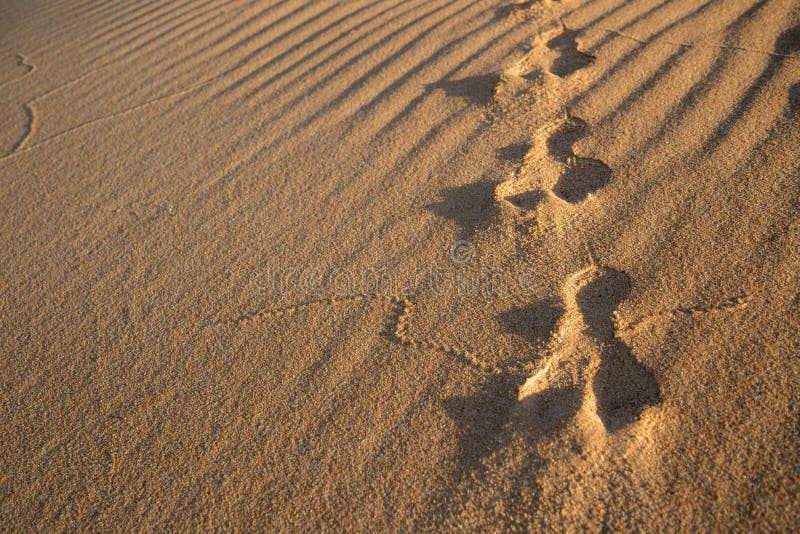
396	265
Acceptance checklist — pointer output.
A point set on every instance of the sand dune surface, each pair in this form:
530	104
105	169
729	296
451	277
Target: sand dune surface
400	265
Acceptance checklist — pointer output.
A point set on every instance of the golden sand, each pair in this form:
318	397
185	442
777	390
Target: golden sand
400	265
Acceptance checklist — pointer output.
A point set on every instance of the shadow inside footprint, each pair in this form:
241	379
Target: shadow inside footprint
569	59
622	386
534	323
471	206
559	144
583	177
475	89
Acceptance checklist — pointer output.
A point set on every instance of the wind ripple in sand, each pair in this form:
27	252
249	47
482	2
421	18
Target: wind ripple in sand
370	134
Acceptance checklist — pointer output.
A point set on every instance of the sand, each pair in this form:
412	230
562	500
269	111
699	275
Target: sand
393	265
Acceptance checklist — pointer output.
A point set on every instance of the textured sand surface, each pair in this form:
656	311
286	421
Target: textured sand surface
394	265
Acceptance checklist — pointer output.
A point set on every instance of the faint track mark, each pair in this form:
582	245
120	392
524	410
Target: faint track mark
20	148
22	61
728	305
642	40
399	325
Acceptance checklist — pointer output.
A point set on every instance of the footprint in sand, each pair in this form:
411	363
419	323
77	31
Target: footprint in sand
556	52
581	176
569	59
623	387
588	366
568	177
554	166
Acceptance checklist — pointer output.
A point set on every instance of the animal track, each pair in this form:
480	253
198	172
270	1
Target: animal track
570	59
623	387
584	342
577	177
576	333
580	322
582	177
585	367
31	118
400	332
17	70
731	304
586	338
398	328
288	311
555	51
23	145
